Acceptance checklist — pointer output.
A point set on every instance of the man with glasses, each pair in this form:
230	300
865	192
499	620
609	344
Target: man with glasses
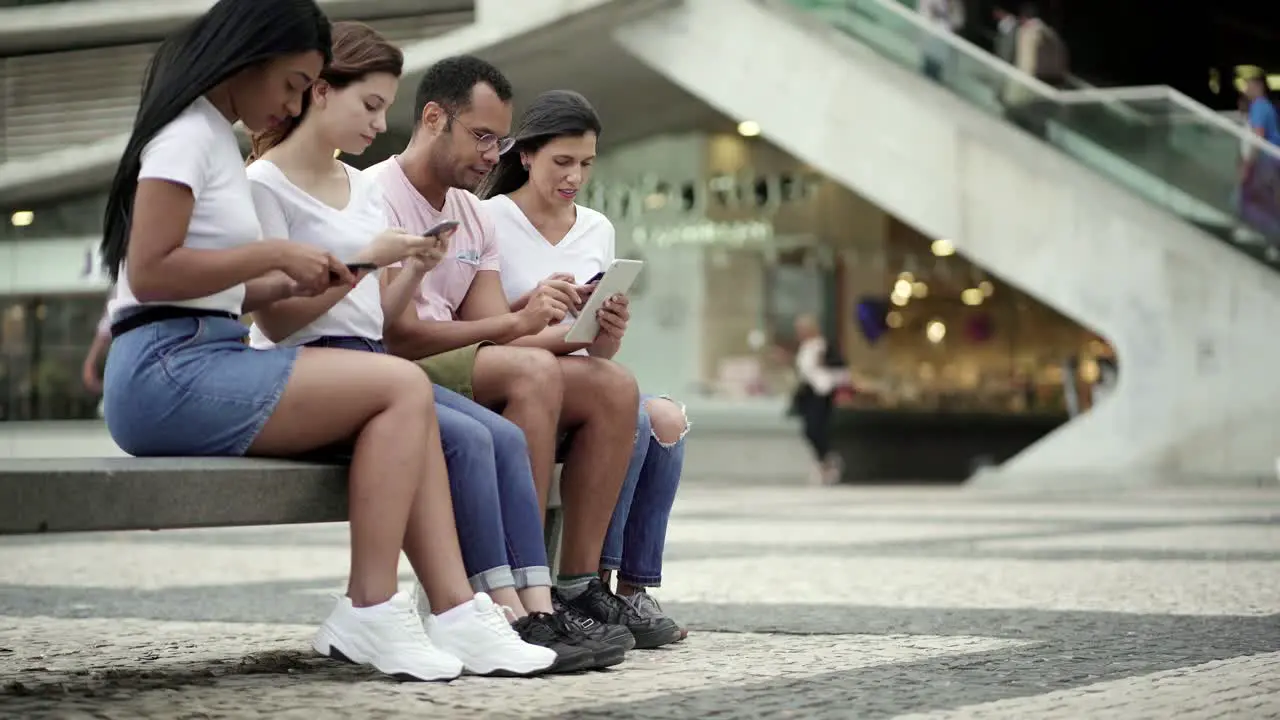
461	330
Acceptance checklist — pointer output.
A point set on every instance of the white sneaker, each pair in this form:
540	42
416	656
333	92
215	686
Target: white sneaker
485	641
390	637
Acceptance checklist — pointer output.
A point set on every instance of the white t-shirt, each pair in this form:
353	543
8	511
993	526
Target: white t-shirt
527	258
287	211
199	150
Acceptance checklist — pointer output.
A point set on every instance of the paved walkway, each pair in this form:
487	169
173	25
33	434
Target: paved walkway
805	603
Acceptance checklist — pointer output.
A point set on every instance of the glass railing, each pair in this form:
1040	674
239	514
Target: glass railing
1157	142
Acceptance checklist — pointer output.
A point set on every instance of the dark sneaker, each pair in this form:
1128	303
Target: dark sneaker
600	604
548	631
617	636
647	606
606	654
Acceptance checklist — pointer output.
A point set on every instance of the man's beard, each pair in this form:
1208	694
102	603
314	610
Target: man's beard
445	167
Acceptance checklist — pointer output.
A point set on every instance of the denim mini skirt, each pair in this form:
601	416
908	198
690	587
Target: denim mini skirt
190	386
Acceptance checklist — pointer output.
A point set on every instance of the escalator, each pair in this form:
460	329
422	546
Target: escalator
1116	210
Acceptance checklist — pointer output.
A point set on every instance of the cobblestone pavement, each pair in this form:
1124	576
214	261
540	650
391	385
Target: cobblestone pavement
803	602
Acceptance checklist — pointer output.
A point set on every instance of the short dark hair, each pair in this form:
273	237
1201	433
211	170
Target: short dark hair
449	83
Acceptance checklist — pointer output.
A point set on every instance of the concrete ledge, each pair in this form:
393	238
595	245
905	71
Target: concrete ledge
91	494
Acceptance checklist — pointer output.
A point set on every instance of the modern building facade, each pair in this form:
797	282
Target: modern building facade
821	171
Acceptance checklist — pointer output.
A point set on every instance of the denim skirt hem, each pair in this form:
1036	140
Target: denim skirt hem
191	387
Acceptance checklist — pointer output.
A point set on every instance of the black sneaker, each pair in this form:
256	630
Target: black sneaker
600	604
617	636
606	654
548	631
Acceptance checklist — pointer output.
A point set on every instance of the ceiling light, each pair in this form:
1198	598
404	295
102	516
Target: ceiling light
971	296
22	218
942	248
935	331
748	128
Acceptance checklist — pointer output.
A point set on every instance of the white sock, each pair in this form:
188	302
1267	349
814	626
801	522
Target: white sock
370	609
455	614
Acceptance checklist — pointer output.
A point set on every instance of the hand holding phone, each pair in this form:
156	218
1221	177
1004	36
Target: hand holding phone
442	229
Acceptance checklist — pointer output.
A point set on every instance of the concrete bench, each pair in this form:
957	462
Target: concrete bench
59	495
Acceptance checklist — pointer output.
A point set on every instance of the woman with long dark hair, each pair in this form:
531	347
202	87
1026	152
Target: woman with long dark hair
543	234
183	241
304	192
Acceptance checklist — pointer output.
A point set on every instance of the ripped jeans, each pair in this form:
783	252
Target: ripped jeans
638	531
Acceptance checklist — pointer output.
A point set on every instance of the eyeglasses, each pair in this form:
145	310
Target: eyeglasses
487	141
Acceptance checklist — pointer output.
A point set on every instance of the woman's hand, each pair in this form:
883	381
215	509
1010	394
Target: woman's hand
613	317
394	245
311	269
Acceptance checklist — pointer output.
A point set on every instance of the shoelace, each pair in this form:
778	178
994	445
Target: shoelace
642	602
412	624
619	608
560	623
499	621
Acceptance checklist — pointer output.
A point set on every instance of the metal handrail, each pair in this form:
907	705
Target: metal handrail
1084	95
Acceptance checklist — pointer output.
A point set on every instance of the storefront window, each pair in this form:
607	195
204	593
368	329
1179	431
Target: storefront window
77	216
43	343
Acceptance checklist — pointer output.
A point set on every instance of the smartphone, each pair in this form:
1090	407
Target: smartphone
441	229
358	266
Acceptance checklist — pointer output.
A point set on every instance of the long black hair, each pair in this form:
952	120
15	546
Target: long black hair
232	35
553	114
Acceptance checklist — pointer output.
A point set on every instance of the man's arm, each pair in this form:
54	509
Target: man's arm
482	317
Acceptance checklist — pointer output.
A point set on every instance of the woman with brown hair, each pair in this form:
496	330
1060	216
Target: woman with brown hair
301	189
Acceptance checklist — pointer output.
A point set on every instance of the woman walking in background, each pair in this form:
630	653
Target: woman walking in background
819	371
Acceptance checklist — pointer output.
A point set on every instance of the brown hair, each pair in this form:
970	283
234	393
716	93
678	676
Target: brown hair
358	51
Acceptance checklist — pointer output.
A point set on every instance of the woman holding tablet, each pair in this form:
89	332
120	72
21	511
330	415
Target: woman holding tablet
545	235
302	190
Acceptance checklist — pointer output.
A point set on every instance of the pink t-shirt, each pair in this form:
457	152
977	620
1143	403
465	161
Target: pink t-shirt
473	247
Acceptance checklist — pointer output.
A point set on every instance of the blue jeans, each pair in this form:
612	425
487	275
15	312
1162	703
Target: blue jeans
638	531
495	504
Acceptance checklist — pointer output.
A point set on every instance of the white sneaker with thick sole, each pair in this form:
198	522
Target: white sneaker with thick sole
482	637
390	637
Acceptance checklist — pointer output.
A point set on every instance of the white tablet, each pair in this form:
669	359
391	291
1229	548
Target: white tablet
617	280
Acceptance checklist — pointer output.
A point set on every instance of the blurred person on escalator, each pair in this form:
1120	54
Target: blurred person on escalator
1259	195
947	16
1039	51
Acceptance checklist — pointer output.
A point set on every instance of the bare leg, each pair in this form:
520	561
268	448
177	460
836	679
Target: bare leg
537	599
382	402
509	597
525	383
431	537
600	403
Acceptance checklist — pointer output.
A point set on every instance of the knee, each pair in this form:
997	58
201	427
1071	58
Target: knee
613	385
508	438
538	375
408	385
464	439
667	420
